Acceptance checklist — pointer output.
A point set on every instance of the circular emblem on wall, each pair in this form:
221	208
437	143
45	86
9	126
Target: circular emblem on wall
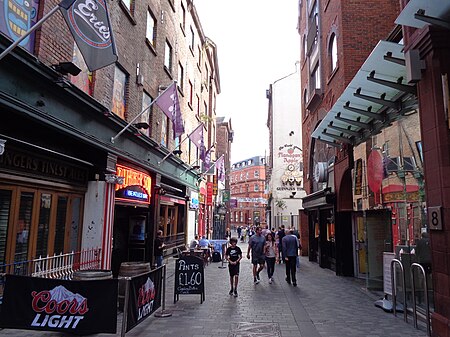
321	172
89	21
291	167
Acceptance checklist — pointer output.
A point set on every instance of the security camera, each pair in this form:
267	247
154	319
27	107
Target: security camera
2	146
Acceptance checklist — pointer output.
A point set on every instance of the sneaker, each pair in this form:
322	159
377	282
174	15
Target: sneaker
257	276
231	292
288	280
235	293
270	280
294	284
255	281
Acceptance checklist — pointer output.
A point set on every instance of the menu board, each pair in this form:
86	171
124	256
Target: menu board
189	277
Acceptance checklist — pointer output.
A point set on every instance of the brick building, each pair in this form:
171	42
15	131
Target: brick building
85	172
248	195
224	137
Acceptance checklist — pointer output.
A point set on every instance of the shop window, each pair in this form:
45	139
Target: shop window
5	208
330	231
23	227
43	225
60	226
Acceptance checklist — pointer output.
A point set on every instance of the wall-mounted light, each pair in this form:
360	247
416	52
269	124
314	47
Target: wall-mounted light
65	68
2	146
141	125
177	152
114	179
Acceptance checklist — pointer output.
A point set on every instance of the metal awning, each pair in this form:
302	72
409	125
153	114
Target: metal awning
377	95
419	13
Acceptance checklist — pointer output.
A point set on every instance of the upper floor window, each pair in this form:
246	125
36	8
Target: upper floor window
315	78
332	50
183	17
84	79
145	117
256	174
128	4
256	188
180	77
191	93
191	45
150	33
168	57
119	91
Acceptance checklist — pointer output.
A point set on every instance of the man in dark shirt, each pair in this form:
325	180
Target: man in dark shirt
280	234
158	249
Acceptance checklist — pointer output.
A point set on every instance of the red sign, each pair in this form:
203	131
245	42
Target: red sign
375	171
209	193
136	187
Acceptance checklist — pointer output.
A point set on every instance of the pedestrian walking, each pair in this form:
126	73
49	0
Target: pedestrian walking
158	249
290	252
271	252
256	246
280	235
239	231
233	255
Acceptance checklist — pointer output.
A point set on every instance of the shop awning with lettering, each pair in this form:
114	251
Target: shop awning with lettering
419	13
376	96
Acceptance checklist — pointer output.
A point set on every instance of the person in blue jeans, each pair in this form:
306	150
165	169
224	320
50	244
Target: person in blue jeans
290	252
271	252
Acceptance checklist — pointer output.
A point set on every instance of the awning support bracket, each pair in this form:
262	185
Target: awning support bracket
344	130
367	113
330	143
420	15
381	100
396	85
396	60
351	121
337	137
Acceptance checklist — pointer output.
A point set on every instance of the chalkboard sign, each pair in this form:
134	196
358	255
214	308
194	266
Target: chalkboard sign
189	277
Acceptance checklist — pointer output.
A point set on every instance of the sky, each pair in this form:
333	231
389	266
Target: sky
257	43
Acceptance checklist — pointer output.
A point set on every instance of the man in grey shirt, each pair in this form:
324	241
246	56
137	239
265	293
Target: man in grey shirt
290	252
256	246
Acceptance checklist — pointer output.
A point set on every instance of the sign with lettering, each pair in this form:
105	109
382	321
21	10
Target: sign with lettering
144	297
189	277
69	307
136	185
88	21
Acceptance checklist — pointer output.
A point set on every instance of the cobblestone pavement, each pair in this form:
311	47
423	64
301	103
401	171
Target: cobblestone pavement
322	305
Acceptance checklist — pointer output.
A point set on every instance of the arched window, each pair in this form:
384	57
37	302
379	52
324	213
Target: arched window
332	50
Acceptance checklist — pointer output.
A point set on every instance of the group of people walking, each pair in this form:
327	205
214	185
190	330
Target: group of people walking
265	248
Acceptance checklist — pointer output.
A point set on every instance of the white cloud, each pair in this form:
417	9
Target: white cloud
257	43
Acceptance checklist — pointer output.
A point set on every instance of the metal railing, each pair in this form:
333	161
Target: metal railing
394	288
425	290
61	266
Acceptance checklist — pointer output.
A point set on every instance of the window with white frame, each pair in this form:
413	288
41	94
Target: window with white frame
150	33
192	41
256	188
333	53
183	17
180	76
168	57
256	174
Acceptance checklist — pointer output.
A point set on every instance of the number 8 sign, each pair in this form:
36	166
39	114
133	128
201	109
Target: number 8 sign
434	218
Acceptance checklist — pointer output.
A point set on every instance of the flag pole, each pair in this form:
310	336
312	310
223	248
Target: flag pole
28	32
137	116
189	168
167	156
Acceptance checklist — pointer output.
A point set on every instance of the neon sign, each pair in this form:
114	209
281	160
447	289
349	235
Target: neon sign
136	185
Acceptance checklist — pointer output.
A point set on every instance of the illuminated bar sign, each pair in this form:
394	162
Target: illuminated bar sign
136	185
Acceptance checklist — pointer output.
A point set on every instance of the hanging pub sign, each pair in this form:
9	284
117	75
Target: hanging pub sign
209	193
136	185
72	307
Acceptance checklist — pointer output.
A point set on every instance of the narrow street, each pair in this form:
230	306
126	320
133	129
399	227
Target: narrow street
322	305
